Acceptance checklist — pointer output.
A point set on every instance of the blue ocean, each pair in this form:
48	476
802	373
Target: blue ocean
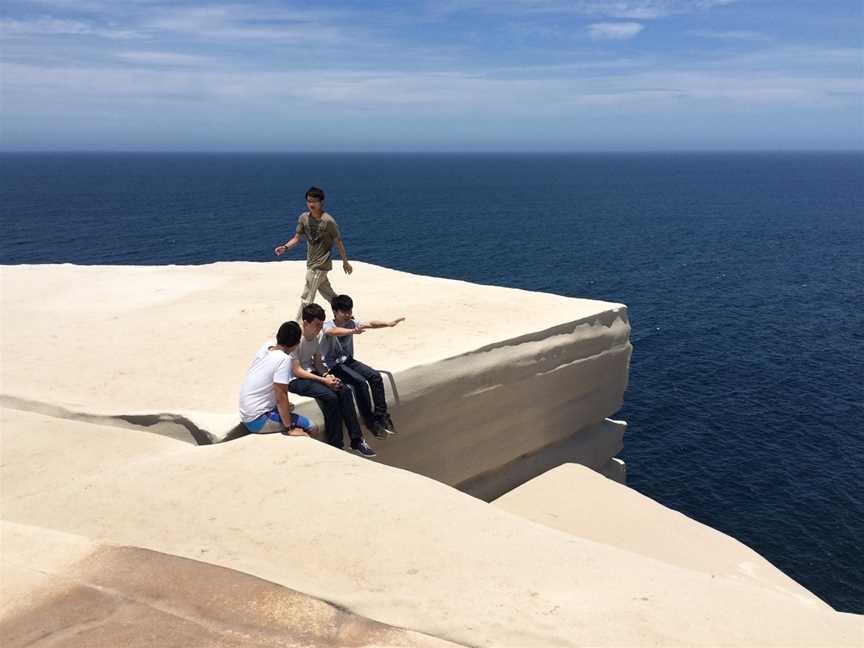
743	273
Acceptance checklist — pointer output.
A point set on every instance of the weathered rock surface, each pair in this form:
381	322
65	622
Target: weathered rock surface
63	590
114	534
487	377
386	544
572	499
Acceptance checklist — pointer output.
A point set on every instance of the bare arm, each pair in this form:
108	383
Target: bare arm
338	331
383	323
287	245
283	405
299	372
344	256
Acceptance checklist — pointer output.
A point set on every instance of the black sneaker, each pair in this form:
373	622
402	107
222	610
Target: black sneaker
387	424
378	430
364	449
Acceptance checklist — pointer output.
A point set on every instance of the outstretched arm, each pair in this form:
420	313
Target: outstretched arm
344	256
287	245
338	331
383	323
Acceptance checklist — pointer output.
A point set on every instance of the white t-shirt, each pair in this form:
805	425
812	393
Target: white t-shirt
256	394
306	351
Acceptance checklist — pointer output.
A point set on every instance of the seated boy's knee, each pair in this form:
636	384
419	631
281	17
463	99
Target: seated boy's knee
327	395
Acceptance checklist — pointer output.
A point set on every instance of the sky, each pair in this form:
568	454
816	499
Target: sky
437	75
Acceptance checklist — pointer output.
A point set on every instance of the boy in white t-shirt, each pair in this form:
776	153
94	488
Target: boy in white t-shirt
264	404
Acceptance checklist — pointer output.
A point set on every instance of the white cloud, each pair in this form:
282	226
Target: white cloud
11	27
47	26
647	9
209	21
740	35
306	93
632	9
614	31
250	22
81	6
162	58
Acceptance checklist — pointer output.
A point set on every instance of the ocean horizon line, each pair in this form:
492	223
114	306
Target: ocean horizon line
467	153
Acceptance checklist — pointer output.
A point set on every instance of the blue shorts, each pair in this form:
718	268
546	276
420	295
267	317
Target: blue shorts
272	422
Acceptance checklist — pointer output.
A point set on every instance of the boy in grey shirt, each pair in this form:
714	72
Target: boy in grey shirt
309	377
321	232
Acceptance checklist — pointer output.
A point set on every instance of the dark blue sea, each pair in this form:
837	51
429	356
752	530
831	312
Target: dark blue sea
744	275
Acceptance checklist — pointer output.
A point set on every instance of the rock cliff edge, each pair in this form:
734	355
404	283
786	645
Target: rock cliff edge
127	518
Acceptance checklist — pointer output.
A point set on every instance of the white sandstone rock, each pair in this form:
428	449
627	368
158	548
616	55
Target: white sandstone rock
386	544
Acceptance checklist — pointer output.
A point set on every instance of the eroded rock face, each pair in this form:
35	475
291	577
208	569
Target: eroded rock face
134	597
491	385
483	406
384	543
188	333
571	498
488	420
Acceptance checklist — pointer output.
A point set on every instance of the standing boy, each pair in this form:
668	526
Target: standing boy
310	378
321	232
340	358
264	405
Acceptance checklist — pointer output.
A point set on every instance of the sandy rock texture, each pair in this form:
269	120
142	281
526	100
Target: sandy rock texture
385	544
492	385
571	498
72	592
124	524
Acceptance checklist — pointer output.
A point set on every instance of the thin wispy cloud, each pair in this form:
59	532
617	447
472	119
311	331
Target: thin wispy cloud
249	21
163	58
735	35
389	90
614	31
648	9
47	26
431	71
632	9
78	6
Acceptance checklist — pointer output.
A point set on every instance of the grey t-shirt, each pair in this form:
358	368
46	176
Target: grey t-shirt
320	236
339	348
306	351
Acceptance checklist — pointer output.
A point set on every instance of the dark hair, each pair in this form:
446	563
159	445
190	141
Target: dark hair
314	193
312	312
288	335
342	303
